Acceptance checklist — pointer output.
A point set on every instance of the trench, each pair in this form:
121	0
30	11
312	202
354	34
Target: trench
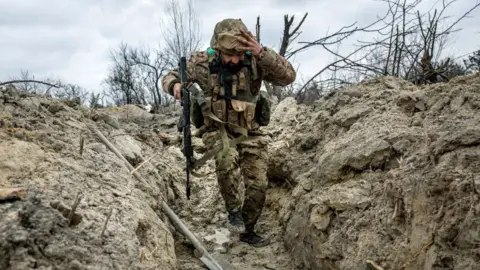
207	219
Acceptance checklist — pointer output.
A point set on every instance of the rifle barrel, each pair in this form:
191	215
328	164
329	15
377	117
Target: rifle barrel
187	138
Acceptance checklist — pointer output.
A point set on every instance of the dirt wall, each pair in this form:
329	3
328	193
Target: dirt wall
40	153
382	171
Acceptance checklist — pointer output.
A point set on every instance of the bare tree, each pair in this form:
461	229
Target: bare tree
125	83
135	75
153	64
472	64
181	30
48	87
94	101
69	91
28	83
290	34
396	44
335	39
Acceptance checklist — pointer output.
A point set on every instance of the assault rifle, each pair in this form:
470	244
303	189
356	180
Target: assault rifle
184	124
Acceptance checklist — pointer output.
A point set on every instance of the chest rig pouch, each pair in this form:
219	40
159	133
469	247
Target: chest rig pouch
232	99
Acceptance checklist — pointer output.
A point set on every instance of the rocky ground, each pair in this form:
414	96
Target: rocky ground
380	175
382	171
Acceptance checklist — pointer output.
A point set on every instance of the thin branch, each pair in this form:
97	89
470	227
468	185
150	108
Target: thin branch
29	81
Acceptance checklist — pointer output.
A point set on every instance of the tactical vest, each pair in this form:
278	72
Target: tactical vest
233	98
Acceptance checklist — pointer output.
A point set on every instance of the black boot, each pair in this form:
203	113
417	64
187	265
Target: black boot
253	239
235	222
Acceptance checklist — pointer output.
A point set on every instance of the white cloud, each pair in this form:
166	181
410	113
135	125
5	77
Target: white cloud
71	39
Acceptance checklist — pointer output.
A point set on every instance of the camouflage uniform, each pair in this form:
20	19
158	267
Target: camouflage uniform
248	159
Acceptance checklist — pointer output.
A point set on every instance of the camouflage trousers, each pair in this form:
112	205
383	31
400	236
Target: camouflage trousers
248	162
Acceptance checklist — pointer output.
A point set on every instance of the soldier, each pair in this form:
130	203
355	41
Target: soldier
230	74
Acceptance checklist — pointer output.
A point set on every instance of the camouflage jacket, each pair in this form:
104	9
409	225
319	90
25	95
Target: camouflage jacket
270	67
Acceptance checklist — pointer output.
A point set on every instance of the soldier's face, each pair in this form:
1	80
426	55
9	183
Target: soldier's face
231	60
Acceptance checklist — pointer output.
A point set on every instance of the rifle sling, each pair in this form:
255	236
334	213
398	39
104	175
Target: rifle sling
221	125
196	92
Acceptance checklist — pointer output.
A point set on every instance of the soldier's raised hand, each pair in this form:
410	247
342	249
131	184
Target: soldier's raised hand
250	43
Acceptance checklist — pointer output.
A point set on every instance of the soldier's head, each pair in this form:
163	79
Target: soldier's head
225	40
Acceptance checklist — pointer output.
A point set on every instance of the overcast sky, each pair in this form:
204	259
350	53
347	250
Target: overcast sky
71	39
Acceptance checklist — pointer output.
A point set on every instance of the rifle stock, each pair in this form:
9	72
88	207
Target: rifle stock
184	125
